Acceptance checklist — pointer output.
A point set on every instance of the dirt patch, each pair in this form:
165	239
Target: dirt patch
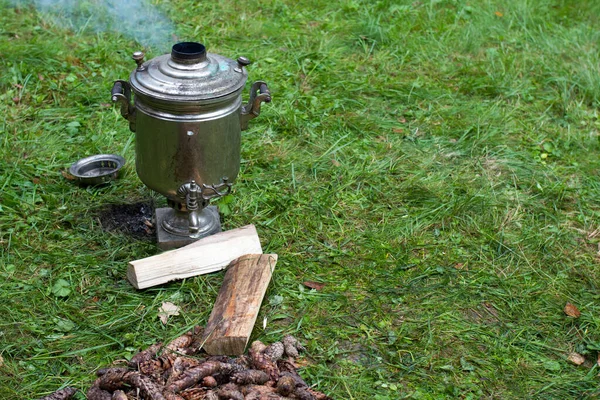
132	219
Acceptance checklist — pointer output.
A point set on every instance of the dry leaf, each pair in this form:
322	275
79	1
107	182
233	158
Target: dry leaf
67	175
166	310
335	162
397	130
576	358
1	361
572	311
498	14
314	285
598	360
301	362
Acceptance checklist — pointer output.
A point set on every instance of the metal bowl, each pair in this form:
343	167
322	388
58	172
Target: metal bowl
98	169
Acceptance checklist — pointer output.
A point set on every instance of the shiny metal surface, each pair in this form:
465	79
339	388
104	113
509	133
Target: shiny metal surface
171	152
97	169
203	80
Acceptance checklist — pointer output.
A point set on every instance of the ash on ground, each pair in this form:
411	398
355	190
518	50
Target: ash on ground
131	219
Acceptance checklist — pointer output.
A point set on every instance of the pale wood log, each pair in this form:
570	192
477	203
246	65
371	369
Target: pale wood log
209	254
238	302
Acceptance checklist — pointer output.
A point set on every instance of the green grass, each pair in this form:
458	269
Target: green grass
434	163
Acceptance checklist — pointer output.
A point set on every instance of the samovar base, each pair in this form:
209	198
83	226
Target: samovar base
172	229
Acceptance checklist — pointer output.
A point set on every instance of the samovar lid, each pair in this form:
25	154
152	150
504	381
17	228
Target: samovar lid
188	74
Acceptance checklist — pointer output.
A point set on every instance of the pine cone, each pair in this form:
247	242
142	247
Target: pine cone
62	394
193	394
148	389
194	375
304	394
290	344
230	391
172	396
144	355
250	376
263	363
258	346
286	385
274	351
112	370
119	395
319	395
112	379
181	343
210	395
209	382
95	393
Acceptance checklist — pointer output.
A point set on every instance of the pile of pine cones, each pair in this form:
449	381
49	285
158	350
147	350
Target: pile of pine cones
178	371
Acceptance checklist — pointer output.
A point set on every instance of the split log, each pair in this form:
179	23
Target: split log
238	302
209	254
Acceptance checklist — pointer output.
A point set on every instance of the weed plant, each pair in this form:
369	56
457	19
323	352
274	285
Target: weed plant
433	163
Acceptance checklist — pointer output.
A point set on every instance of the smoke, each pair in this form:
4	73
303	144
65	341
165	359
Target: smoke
136	19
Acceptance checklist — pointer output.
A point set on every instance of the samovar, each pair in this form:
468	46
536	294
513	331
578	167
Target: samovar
187	115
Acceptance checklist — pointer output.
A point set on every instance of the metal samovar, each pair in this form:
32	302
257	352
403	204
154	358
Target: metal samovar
187	116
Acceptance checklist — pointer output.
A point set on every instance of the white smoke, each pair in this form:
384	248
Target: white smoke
137	19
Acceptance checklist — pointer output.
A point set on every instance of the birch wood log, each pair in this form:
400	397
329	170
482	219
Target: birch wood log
238	302
209	254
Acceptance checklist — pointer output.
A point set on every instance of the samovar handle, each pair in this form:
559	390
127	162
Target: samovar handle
259	93
121	93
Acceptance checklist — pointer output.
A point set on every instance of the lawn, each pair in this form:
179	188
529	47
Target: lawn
433	163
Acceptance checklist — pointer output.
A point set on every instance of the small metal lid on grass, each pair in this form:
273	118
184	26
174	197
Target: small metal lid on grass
98	169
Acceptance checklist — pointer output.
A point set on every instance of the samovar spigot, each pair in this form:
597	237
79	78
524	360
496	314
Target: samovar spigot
193	194
197	197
